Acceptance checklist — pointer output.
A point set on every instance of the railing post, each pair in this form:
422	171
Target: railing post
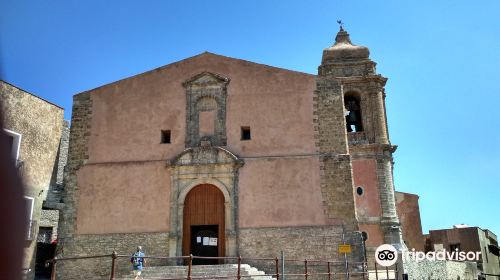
239	268
277	268
190	266
113	265
396	271
347	273
282	265
329	272
54	266
305	268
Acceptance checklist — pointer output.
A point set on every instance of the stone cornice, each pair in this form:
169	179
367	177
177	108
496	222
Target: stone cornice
363	79
372	151
205	79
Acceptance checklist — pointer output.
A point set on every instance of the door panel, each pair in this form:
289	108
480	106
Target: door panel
205	243
204	206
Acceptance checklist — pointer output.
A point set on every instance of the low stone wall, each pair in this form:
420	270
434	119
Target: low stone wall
440	270
300	243
153	244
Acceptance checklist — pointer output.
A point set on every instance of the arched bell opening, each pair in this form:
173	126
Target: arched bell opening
353	118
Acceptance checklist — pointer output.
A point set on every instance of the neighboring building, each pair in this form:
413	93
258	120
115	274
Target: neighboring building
34	126
409	217
261	158
470	239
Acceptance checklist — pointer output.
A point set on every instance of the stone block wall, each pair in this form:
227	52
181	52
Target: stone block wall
153	244
62	157
39	123
77	155
440	270
299	244
335	162
50	218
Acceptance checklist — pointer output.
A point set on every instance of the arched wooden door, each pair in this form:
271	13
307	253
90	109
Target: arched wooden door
204	227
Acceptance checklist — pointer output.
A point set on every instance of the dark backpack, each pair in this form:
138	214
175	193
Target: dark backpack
136	260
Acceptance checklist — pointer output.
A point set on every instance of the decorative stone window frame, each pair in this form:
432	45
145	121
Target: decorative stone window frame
200	86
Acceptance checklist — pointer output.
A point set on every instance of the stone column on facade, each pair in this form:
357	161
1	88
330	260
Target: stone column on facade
389	220
381	133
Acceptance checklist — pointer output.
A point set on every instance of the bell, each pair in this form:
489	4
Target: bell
352	117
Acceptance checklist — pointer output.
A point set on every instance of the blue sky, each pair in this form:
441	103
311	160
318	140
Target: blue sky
442	59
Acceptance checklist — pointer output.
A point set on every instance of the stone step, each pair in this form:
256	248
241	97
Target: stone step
203	272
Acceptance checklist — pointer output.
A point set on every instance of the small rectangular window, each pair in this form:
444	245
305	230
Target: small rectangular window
44	235
245	133
454	247
165	137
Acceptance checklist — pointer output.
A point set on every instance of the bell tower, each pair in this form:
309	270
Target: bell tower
347	79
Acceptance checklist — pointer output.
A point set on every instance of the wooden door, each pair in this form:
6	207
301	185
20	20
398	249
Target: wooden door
204	206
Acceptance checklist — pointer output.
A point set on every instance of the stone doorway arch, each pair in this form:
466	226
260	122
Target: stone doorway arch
204	212
214	166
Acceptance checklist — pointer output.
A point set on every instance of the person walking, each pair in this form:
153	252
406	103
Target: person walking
138	262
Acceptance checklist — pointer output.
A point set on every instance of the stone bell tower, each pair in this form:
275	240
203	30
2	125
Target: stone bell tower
352	121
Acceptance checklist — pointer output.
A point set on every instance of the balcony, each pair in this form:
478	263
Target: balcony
357	138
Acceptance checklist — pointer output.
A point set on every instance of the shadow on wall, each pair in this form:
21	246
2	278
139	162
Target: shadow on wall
12	202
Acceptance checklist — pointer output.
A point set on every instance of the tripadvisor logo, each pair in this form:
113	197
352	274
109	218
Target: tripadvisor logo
386	255
441	255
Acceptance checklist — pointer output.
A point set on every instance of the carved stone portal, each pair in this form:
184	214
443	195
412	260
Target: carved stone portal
204	165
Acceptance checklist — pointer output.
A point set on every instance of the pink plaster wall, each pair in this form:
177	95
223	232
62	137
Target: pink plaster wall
409	217
281	192
128	115
123	198
127	119
365	175
375	234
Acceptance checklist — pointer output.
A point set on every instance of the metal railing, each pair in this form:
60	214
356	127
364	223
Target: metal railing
325	269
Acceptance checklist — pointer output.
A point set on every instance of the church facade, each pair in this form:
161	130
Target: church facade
254	158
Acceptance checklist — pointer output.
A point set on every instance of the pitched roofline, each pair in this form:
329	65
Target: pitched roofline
34	95
407	193
187	58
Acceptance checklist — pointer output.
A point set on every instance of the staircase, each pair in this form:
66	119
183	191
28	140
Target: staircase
203	272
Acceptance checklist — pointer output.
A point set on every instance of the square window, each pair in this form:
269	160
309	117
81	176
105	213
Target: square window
454	247
245	133
165	137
